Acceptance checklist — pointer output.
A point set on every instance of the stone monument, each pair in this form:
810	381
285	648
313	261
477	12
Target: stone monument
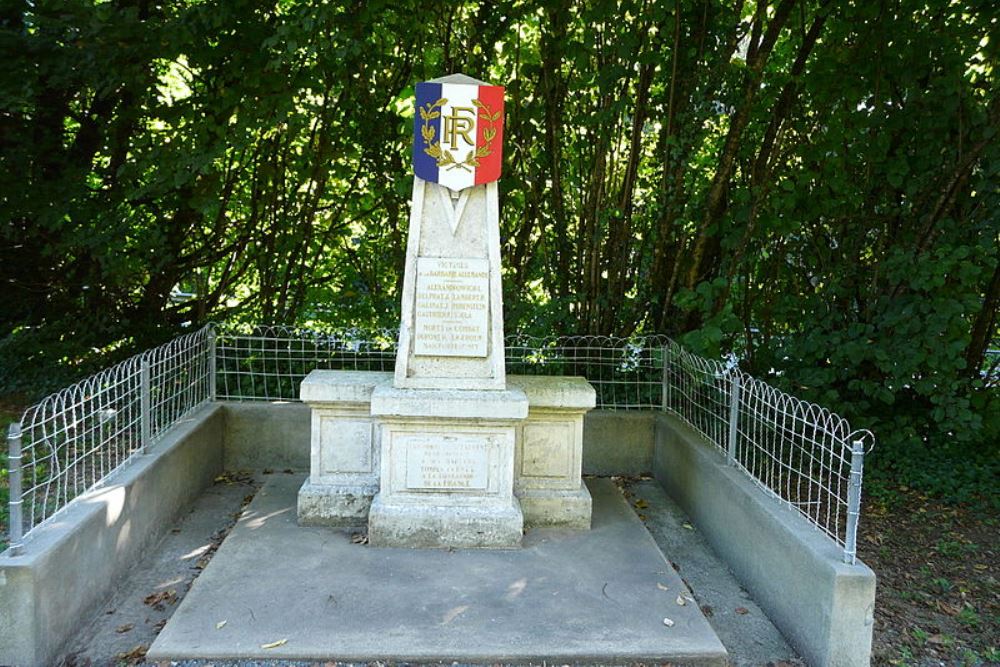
447	451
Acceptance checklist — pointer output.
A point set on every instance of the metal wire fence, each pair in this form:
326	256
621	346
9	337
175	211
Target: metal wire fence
73	440
269	362
801	454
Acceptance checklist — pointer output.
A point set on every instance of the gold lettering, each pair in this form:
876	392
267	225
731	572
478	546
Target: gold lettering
457	125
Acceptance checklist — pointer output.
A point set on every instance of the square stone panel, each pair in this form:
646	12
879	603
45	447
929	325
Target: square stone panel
346	445
547	449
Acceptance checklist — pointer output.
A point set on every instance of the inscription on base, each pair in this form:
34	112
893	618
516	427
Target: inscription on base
440	462
452	307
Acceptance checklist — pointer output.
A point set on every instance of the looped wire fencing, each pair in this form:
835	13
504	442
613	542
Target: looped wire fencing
73	440
269	362
625	372
798	452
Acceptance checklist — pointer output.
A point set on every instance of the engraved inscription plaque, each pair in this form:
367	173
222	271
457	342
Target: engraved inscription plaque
446	462
452	307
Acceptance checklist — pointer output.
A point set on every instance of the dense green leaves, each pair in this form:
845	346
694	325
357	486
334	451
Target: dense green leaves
810	182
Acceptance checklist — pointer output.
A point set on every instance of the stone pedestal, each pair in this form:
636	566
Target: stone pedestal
345	452
447	468
548	458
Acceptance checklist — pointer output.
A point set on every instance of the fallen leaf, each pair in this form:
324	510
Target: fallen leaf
359	538
642	517
159	624
157	600
124	628
135	656
662	587
681	601
280	642
235	477
742	611
220	625
641	504
707	610
687	525
667	622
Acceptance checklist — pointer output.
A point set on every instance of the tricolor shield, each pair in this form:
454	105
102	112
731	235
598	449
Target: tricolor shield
458	133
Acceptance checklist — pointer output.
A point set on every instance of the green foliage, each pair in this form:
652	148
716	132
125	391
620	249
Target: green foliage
812	184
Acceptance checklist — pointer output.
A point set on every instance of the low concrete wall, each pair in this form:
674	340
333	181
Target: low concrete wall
261	434
616	442
822	606
71	565
265	434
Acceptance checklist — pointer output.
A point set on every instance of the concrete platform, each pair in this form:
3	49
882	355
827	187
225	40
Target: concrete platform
566	596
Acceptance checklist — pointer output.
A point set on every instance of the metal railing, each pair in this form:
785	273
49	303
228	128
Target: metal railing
268	362
73	440
801	454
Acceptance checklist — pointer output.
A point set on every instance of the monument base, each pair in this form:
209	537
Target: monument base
447	475
556	508
395	524
334	505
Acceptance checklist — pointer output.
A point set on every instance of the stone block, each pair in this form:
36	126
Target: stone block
447	474
344	447
392	523
549	451
560	508
334	505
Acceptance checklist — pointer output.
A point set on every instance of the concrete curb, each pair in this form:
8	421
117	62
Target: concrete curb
823	606
70	565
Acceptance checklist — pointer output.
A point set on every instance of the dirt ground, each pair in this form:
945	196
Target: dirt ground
938	598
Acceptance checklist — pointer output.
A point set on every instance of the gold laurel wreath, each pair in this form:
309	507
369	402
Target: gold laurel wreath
443	157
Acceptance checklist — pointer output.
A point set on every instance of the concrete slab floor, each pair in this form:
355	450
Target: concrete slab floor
279	590
750	638
747	633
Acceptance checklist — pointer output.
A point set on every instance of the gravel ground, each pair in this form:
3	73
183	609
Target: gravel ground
124	628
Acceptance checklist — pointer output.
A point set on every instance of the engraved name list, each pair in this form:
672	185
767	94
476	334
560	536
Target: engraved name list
452	307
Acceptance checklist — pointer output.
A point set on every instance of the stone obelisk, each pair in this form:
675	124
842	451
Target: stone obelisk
448	420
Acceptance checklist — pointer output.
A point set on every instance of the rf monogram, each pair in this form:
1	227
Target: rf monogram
459	123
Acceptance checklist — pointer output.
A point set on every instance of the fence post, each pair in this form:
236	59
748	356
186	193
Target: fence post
146	431
212	341
14	465
665	382
854	501
734	416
